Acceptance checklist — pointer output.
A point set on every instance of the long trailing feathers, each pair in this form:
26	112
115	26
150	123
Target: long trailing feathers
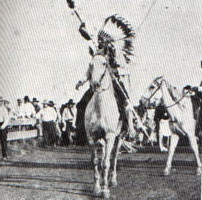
118	31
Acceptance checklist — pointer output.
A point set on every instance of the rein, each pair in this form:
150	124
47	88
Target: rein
159	86
178	101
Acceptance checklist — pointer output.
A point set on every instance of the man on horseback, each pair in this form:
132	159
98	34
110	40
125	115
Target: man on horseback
118	67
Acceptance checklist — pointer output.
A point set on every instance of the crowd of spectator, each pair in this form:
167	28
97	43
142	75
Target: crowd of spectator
55	124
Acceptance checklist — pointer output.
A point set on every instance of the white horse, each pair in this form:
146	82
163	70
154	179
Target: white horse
180	111
102	123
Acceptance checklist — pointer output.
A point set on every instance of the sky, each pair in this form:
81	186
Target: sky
43	55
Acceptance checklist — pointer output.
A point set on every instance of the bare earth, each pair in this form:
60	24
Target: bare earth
33	173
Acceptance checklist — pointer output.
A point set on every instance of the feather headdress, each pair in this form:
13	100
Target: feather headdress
118	32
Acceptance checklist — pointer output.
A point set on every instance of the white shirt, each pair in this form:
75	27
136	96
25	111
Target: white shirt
28	109
19	111
4	116
47	114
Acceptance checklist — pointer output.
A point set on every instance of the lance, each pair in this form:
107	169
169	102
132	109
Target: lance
72	6
82	28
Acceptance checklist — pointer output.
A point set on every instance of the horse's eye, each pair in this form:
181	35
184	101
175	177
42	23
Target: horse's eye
104	63
151	87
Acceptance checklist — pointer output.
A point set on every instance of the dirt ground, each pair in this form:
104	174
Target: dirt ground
35	173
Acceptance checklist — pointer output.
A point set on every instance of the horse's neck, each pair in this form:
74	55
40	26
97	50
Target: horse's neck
106	89
166	95
104	97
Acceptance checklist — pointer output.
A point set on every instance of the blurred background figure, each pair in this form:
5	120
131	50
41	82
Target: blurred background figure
18	112
162	128
7	105
58	121
4	120
35	103
28	108
68	121
198	114
48	117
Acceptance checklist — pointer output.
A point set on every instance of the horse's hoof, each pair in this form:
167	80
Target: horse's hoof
97	191
114	183
106	194
199	171
164	149
166	172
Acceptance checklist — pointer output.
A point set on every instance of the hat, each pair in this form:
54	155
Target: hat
194	89
35	100
19	100
45	102
70	102
187	87
26	98
51	103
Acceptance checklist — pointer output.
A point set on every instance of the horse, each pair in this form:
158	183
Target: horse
180	110
102	124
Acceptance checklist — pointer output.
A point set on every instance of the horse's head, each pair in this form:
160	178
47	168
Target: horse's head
98	72
153	95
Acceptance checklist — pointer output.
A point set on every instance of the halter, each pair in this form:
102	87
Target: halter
159	86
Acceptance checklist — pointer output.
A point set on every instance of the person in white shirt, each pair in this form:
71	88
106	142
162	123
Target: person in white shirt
58	120
4	120
28	108
19	110
68	121
48	117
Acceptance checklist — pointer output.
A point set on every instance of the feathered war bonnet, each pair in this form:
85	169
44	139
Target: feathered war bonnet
117	33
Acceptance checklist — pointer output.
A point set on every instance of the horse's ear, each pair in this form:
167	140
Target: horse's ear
157	78
91	52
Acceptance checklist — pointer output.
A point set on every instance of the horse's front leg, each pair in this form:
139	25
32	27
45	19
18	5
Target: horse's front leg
194	146
115	158
161	145
173	145
103	153
110	137
97	188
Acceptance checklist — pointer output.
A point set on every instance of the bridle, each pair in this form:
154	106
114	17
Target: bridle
158	87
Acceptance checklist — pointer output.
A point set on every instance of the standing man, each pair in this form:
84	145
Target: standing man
199	117
29	109
48	117
68	120
4	119
161	118
18	112
35	103
58	120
